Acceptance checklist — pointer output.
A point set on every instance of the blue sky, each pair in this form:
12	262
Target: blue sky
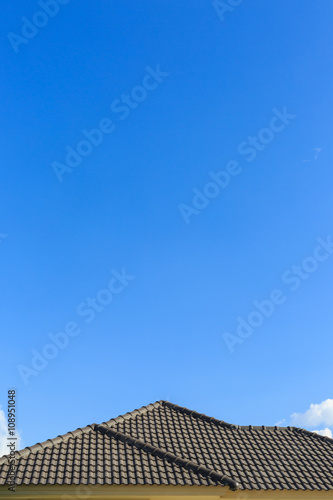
198	87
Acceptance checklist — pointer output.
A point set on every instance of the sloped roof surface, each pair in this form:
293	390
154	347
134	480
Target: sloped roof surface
165	444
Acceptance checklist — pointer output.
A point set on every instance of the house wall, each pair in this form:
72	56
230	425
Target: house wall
104	492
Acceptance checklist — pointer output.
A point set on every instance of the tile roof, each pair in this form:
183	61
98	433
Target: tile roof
166	444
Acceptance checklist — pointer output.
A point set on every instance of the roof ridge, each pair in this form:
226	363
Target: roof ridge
222	423
49	442
201	416
288	428
170	457
133	413
310	433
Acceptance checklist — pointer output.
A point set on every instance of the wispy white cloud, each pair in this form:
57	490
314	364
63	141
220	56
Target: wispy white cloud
280	422
316	415
4	435
318	150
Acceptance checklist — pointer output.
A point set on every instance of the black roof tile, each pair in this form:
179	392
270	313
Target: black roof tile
164	443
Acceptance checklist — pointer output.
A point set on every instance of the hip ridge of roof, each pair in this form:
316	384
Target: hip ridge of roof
170	457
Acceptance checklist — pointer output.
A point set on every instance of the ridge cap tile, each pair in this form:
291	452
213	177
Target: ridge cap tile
172	458
195	414
263	457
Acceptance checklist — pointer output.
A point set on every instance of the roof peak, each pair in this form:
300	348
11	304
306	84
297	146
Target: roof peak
150	407
213	420
172	406
166	437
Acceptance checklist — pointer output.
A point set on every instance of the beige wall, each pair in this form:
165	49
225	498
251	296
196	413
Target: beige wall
153	493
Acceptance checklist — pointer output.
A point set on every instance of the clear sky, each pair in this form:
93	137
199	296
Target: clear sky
166	182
